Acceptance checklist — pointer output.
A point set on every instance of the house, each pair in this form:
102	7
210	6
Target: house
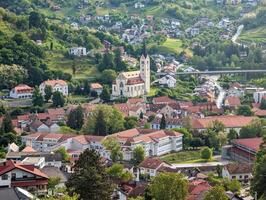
78	51
258	95
167	81
170	123
150	166
197	189
154	142
192	31
21	91
16	174
135	101
135	83
127	190
224	23
38	162
96	87
46	127
139	5
235	122
242	150
57	85
240	172
232	102
163	100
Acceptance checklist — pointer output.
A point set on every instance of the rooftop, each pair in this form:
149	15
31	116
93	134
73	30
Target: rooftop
251	143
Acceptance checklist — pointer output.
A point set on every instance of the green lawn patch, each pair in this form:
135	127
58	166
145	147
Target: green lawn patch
257	35
188	156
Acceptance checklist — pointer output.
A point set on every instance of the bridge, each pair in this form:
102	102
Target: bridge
219	72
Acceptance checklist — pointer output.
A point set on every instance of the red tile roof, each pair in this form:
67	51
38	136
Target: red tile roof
28	149
55	82
251	143
56	111
133	81
96	86
230	121
135	100
22	88
151	163
163	100
233	101
197	189
237	168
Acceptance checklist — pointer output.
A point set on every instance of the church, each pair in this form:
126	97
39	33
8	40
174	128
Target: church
134	83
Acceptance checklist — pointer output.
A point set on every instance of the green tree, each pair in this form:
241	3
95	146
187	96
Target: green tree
176	184
119	64
105	95
138	155
232	135
2	110
75	118
63	153
217	193
217	126
107	62
53	182
7	124
117	171
48	92
244	110
255	129
58	99
263	104
206	153
130	122
108	76
114	147
233	185
163	122
104	120
37	98
90	180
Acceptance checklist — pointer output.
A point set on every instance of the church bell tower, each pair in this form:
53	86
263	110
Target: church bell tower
145	72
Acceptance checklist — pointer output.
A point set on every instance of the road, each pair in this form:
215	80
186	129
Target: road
237	34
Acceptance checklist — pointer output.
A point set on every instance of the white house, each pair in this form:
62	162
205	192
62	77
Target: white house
139	5
168	81
21	91
78	51
154	142
170	123
57	85
151	166
224	23
257	96
96	87
240	172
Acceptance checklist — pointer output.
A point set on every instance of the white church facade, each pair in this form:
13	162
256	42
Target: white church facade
135	83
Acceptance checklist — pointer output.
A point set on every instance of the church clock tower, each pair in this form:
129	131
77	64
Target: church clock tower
145	72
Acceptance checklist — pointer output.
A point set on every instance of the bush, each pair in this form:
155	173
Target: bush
206	153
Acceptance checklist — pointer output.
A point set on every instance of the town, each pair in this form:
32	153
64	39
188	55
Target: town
132	100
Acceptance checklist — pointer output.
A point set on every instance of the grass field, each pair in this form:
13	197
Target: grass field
254	35
172	46
191	156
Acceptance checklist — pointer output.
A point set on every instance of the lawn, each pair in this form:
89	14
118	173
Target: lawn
172	46
189	156
254	35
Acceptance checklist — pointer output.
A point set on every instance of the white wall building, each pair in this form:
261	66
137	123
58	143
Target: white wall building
57	85
78	51
133	84
257	96
21	91
240	172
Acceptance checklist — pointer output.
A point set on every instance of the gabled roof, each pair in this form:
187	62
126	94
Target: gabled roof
163	99
56	111
23	88
28	149
233	101
96	86
237	168
135	100
86	139
55	82
10	165
250	143
230	121
151	163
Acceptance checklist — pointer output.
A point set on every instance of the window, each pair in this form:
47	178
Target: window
233	177
4	177
240	176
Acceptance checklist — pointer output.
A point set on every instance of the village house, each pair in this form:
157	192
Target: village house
138	5
235	122
78	51
242	150
167	81
133	84
197	189
96	87
154	142
240	172
16	174
232	102
21	91
163	100
170	123
150	166
57	85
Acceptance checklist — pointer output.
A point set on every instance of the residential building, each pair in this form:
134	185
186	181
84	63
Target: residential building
21	91
154	142
139	5
232	102
150	166
135	83
96	87
197	189
163	100
257	96
235	122
167	81
15	174
57	85
242	150
170	123
78	51
240	172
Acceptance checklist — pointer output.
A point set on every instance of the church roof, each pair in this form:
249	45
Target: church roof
132	74
133	81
